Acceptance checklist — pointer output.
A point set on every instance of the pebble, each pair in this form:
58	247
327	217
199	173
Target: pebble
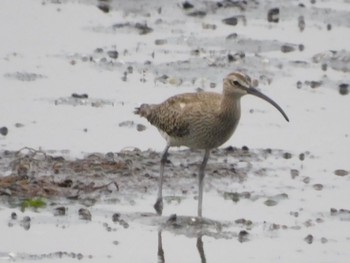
318	187
140	127
13	216
306	180
309	239
287	48
302	156
84	214
235	57
232	21
187	5
299	84
160	42
243	236
273	15
294	173
80	96
270	202
315	84
344	88
59	211
4	131
301	23
115	217
104	7
324	67
329	27
341	172
287	155
113	54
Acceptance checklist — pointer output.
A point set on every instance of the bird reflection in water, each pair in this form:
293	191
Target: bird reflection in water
160	252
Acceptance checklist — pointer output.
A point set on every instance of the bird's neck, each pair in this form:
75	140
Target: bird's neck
231	106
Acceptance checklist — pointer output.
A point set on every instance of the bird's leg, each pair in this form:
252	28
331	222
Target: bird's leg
158	206
200	182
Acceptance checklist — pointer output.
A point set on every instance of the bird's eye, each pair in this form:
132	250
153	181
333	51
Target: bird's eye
236	83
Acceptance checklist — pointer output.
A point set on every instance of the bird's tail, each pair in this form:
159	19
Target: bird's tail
143	110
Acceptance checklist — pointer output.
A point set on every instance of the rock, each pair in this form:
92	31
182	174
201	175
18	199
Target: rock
287	155
113	54
341	172
273	15
270	202
115	217
140	127
79	96
59	211
232	21
301	23
84	214
309	239
187	5
318	187
287	48
344	88
160	41
294	173
243	236
4	131
104	7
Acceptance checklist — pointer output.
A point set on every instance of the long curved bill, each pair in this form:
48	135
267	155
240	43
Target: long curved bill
257	93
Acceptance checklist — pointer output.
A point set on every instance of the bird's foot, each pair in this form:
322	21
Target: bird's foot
158	206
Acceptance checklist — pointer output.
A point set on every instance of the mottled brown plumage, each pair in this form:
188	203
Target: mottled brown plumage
203	120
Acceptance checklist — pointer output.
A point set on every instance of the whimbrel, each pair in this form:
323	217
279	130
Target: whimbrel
203	120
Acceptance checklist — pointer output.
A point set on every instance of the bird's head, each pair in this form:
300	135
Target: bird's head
238	84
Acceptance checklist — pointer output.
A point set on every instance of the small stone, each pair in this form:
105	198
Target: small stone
309	239
273	15
301	23
270	202
160	42
302	156
59	211
80	96
130	69
324	67
19	125
235	57
287	155
294	173
198	13
341	172
287	48
315	84
243	236
344	88
212	85
245	148
4	131
299	84
104	7
115	217
140	127
324	240
113	54
84	214
306	180
232	36
187	5
232	21
318	187
329	27
333	211
13	216
301	47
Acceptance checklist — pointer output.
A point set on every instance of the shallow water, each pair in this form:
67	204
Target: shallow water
71	75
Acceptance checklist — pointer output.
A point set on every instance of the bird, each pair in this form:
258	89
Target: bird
200	120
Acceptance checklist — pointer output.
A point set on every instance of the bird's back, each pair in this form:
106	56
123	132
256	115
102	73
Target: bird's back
194	120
